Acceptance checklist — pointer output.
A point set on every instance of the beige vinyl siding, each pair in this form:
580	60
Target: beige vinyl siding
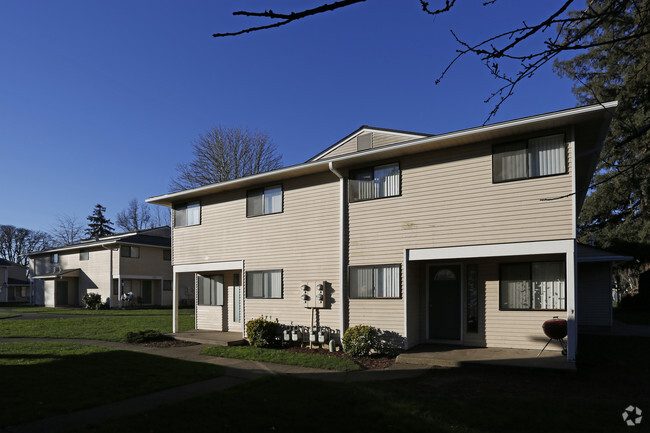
385	314
594	295
448	199
379	139
150	263
303	241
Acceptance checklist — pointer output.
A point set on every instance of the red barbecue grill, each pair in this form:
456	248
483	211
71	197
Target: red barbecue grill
555	329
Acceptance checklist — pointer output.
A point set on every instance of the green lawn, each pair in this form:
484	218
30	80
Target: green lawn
283	357
613	373
112	328
8	315
133	312
42	379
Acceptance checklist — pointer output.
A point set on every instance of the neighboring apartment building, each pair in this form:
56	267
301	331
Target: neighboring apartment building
113	266
14	286
467	237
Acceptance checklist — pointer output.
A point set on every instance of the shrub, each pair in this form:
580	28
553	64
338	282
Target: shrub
361	340
92	301
146	336
262	332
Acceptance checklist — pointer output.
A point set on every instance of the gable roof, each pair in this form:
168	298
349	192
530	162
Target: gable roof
154	237
592	124
362	130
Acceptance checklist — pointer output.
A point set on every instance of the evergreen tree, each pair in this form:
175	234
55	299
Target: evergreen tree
98	224
616	66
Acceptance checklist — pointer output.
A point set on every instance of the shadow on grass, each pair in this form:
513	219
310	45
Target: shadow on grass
76	377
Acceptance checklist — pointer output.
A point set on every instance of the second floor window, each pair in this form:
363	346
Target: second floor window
264	201
133	252
375	182
537	157
188	214
83	255
167	254
54	258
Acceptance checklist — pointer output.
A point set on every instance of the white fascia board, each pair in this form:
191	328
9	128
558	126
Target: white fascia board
207	267
492	250
72	248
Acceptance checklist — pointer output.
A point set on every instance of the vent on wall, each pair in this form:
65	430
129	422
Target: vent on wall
364	141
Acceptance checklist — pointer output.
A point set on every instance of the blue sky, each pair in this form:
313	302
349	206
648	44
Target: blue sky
100	100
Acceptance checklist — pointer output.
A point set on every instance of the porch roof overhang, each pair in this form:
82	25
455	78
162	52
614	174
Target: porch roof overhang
590	123
589	254
492	250
67	273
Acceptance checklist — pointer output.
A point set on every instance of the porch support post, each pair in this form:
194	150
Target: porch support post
571	302
175	302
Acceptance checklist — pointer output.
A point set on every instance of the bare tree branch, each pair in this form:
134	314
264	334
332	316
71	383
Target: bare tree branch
288	18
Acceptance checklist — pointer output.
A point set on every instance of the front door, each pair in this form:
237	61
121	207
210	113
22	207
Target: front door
444	302
146	292
61	293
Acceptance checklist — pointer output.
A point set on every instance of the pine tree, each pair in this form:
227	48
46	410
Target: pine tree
99	225
616	212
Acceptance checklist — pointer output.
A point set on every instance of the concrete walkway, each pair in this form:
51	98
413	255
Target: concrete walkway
237	371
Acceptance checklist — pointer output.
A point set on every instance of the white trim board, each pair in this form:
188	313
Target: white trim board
492	250
214	266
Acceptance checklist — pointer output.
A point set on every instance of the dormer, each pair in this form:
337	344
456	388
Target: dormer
366	138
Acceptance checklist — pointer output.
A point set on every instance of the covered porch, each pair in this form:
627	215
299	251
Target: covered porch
494	296
217	289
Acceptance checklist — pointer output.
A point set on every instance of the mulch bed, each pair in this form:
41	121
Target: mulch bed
372	362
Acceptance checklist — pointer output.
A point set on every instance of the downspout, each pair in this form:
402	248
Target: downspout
342	246
110	278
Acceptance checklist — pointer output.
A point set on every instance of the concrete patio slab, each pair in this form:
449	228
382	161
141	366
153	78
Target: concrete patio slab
434	355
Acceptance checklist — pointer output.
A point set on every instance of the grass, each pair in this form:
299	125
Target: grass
632	317
134	312
8	315
94	328
283	357
41	379
613	373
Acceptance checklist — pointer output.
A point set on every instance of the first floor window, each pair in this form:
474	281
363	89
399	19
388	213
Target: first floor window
381	281
264	284
210	289
532	286
264	201
133	252
167	285
537	157
188	214
375	182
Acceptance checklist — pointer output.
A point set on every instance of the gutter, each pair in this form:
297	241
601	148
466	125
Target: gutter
342	239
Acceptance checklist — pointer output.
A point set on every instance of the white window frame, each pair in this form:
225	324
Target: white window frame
375	291
373	185
530	286
131	252
266	291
